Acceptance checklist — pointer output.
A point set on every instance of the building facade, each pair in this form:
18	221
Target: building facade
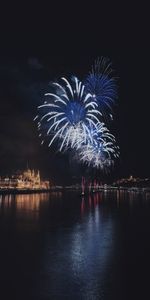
28	179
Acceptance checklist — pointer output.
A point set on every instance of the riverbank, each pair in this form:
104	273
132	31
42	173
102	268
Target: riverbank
6	191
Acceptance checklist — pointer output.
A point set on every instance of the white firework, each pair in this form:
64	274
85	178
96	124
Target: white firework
68	113
101	151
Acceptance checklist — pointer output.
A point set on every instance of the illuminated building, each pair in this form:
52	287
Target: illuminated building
132	181
28	179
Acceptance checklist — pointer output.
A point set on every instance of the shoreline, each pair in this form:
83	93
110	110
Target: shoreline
56	189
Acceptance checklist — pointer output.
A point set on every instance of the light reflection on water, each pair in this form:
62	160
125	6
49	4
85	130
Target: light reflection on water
64	246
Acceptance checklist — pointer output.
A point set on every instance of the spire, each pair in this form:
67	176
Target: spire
33	173
38	175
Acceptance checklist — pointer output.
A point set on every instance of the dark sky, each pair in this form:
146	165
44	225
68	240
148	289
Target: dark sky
41	43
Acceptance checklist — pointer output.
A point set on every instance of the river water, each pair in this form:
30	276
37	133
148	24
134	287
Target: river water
63	246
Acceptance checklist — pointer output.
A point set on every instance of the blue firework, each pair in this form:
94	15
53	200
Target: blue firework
73	115
102	85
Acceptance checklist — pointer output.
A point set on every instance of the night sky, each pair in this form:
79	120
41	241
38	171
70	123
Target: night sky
40	44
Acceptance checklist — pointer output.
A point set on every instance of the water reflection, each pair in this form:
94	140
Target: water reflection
82	257
64	246
92	202
92	246
25	209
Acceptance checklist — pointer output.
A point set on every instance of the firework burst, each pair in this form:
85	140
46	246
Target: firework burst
101	84
72	116
102	151
68	113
